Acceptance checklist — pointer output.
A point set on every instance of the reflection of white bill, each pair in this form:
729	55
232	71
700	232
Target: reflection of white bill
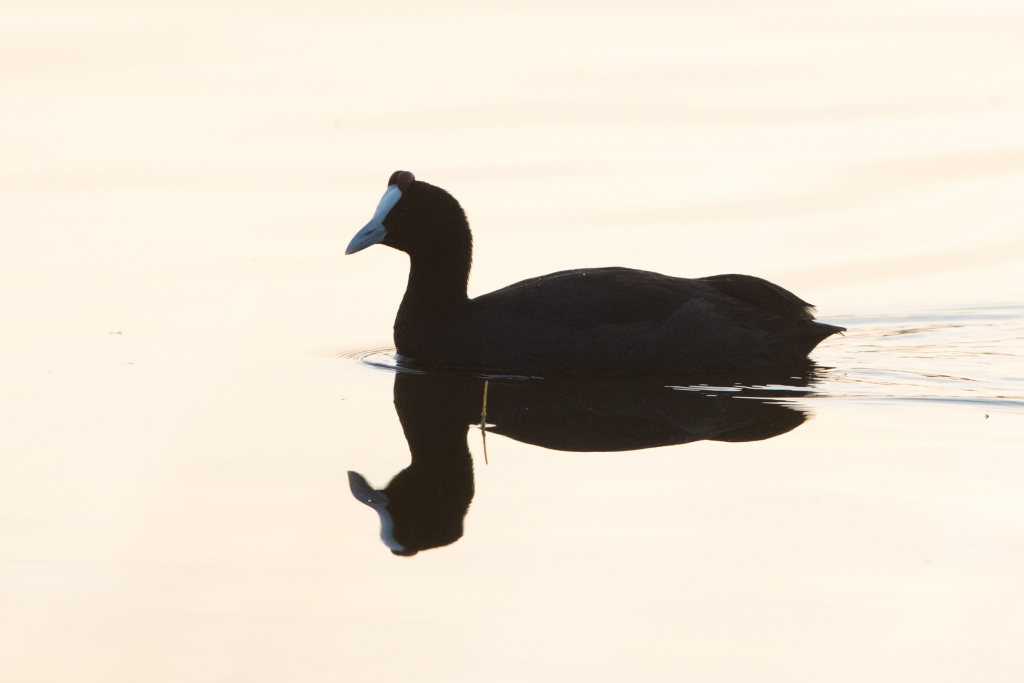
378	500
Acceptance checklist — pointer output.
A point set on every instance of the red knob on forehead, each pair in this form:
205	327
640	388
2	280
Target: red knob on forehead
403	179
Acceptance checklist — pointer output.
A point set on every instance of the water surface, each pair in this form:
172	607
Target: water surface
186	384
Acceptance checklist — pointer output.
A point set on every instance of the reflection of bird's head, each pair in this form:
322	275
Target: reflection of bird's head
417	511
423	506
379	501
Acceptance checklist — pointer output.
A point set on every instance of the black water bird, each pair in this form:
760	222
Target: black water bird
584	322
425	504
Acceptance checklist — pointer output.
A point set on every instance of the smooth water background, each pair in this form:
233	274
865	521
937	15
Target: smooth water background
178	183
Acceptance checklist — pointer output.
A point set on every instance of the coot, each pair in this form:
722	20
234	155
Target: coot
583	322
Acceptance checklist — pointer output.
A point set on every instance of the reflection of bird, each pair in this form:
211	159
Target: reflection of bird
602	321
424	505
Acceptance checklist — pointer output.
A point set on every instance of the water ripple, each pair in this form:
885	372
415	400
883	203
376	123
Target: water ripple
970	356
961	355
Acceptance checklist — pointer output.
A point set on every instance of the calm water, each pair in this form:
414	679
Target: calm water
191	369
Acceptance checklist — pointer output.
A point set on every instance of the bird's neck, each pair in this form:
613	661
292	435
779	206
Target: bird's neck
436	285
436	292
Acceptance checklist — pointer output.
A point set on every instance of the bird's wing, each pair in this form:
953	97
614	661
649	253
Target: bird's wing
579	298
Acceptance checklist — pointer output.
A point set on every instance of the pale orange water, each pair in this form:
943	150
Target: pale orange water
177	186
